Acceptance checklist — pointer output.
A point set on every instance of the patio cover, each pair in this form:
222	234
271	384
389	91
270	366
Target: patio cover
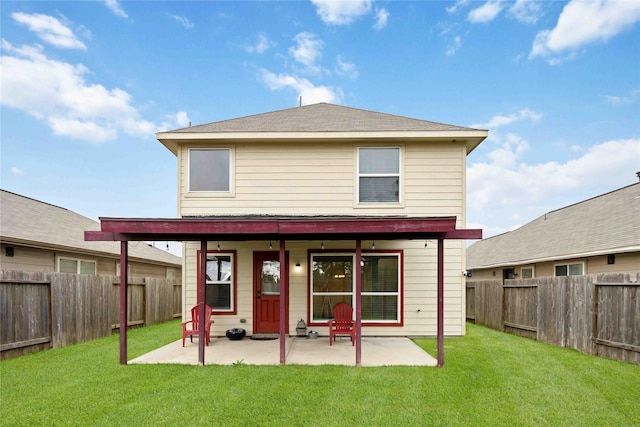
280	228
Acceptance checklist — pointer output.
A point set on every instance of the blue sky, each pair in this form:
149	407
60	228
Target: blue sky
85	85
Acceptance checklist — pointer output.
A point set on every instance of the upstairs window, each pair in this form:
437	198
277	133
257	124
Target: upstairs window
210	170
379	175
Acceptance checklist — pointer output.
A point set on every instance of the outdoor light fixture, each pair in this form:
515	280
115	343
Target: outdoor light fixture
218	245
322	245
298	268
373	245
270	246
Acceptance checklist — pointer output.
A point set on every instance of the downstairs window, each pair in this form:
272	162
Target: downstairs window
333	281
220	285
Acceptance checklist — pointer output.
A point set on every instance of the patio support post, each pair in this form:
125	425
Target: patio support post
201	299
358	272
440	302
124	260
283	305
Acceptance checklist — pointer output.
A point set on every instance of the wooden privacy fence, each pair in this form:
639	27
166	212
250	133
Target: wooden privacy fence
50	310
596	315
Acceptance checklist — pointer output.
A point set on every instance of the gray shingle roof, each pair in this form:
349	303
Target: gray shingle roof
28	221
607	223
321	117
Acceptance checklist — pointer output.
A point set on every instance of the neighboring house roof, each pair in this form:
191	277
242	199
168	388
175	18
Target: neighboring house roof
606	224
29	222
322	121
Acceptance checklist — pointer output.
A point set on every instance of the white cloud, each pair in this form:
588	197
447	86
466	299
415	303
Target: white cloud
16	171
115	7
346	68
459	4
334	12
455	45
503	120
526	11
311	94
307	51
182	119
508	185
56	92
183	20
382	16
80	129
487	12
175	121
625	99
262	45
585	22
50	30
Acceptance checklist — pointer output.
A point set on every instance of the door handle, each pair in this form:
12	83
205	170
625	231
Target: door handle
258	294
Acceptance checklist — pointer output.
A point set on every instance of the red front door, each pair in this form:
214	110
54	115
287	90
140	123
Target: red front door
266	289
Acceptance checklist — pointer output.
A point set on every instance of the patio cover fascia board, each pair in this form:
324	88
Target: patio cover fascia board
276	228
280	228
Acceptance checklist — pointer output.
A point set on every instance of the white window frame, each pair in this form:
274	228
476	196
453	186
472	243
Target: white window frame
352	293
231	282
529	267
399	175
568	265
118	269
212	193
78	261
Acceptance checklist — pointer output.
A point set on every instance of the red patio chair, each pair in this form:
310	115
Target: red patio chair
190	327
342	323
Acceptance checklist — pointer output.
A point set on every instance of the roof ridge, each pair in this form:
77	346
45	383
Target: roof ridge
592	198
243	117
36	200
310	106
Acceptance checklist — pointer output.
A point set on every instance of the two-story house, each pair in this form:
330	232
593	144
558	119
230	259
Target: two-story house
357	206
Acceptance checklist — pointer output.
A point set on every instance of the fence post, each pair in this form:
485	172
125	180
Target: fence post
594	319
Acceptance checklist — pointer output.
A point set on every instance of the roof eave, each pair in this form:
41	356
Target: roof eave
84	251
609	251
471	137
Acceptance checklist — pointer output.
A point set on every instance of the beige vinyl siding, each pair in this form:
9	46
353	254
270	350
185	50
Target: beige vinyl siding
320	178
485	274
27	259
105	266
139	269
625	263
419	292
314	178
628	263
35	259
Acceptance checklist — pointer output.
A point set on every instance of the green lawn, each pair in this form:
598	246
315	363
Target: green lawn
489	379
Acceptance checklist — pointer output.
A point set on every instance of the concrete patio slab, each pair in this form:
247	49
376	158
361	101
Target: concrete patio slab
376	351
